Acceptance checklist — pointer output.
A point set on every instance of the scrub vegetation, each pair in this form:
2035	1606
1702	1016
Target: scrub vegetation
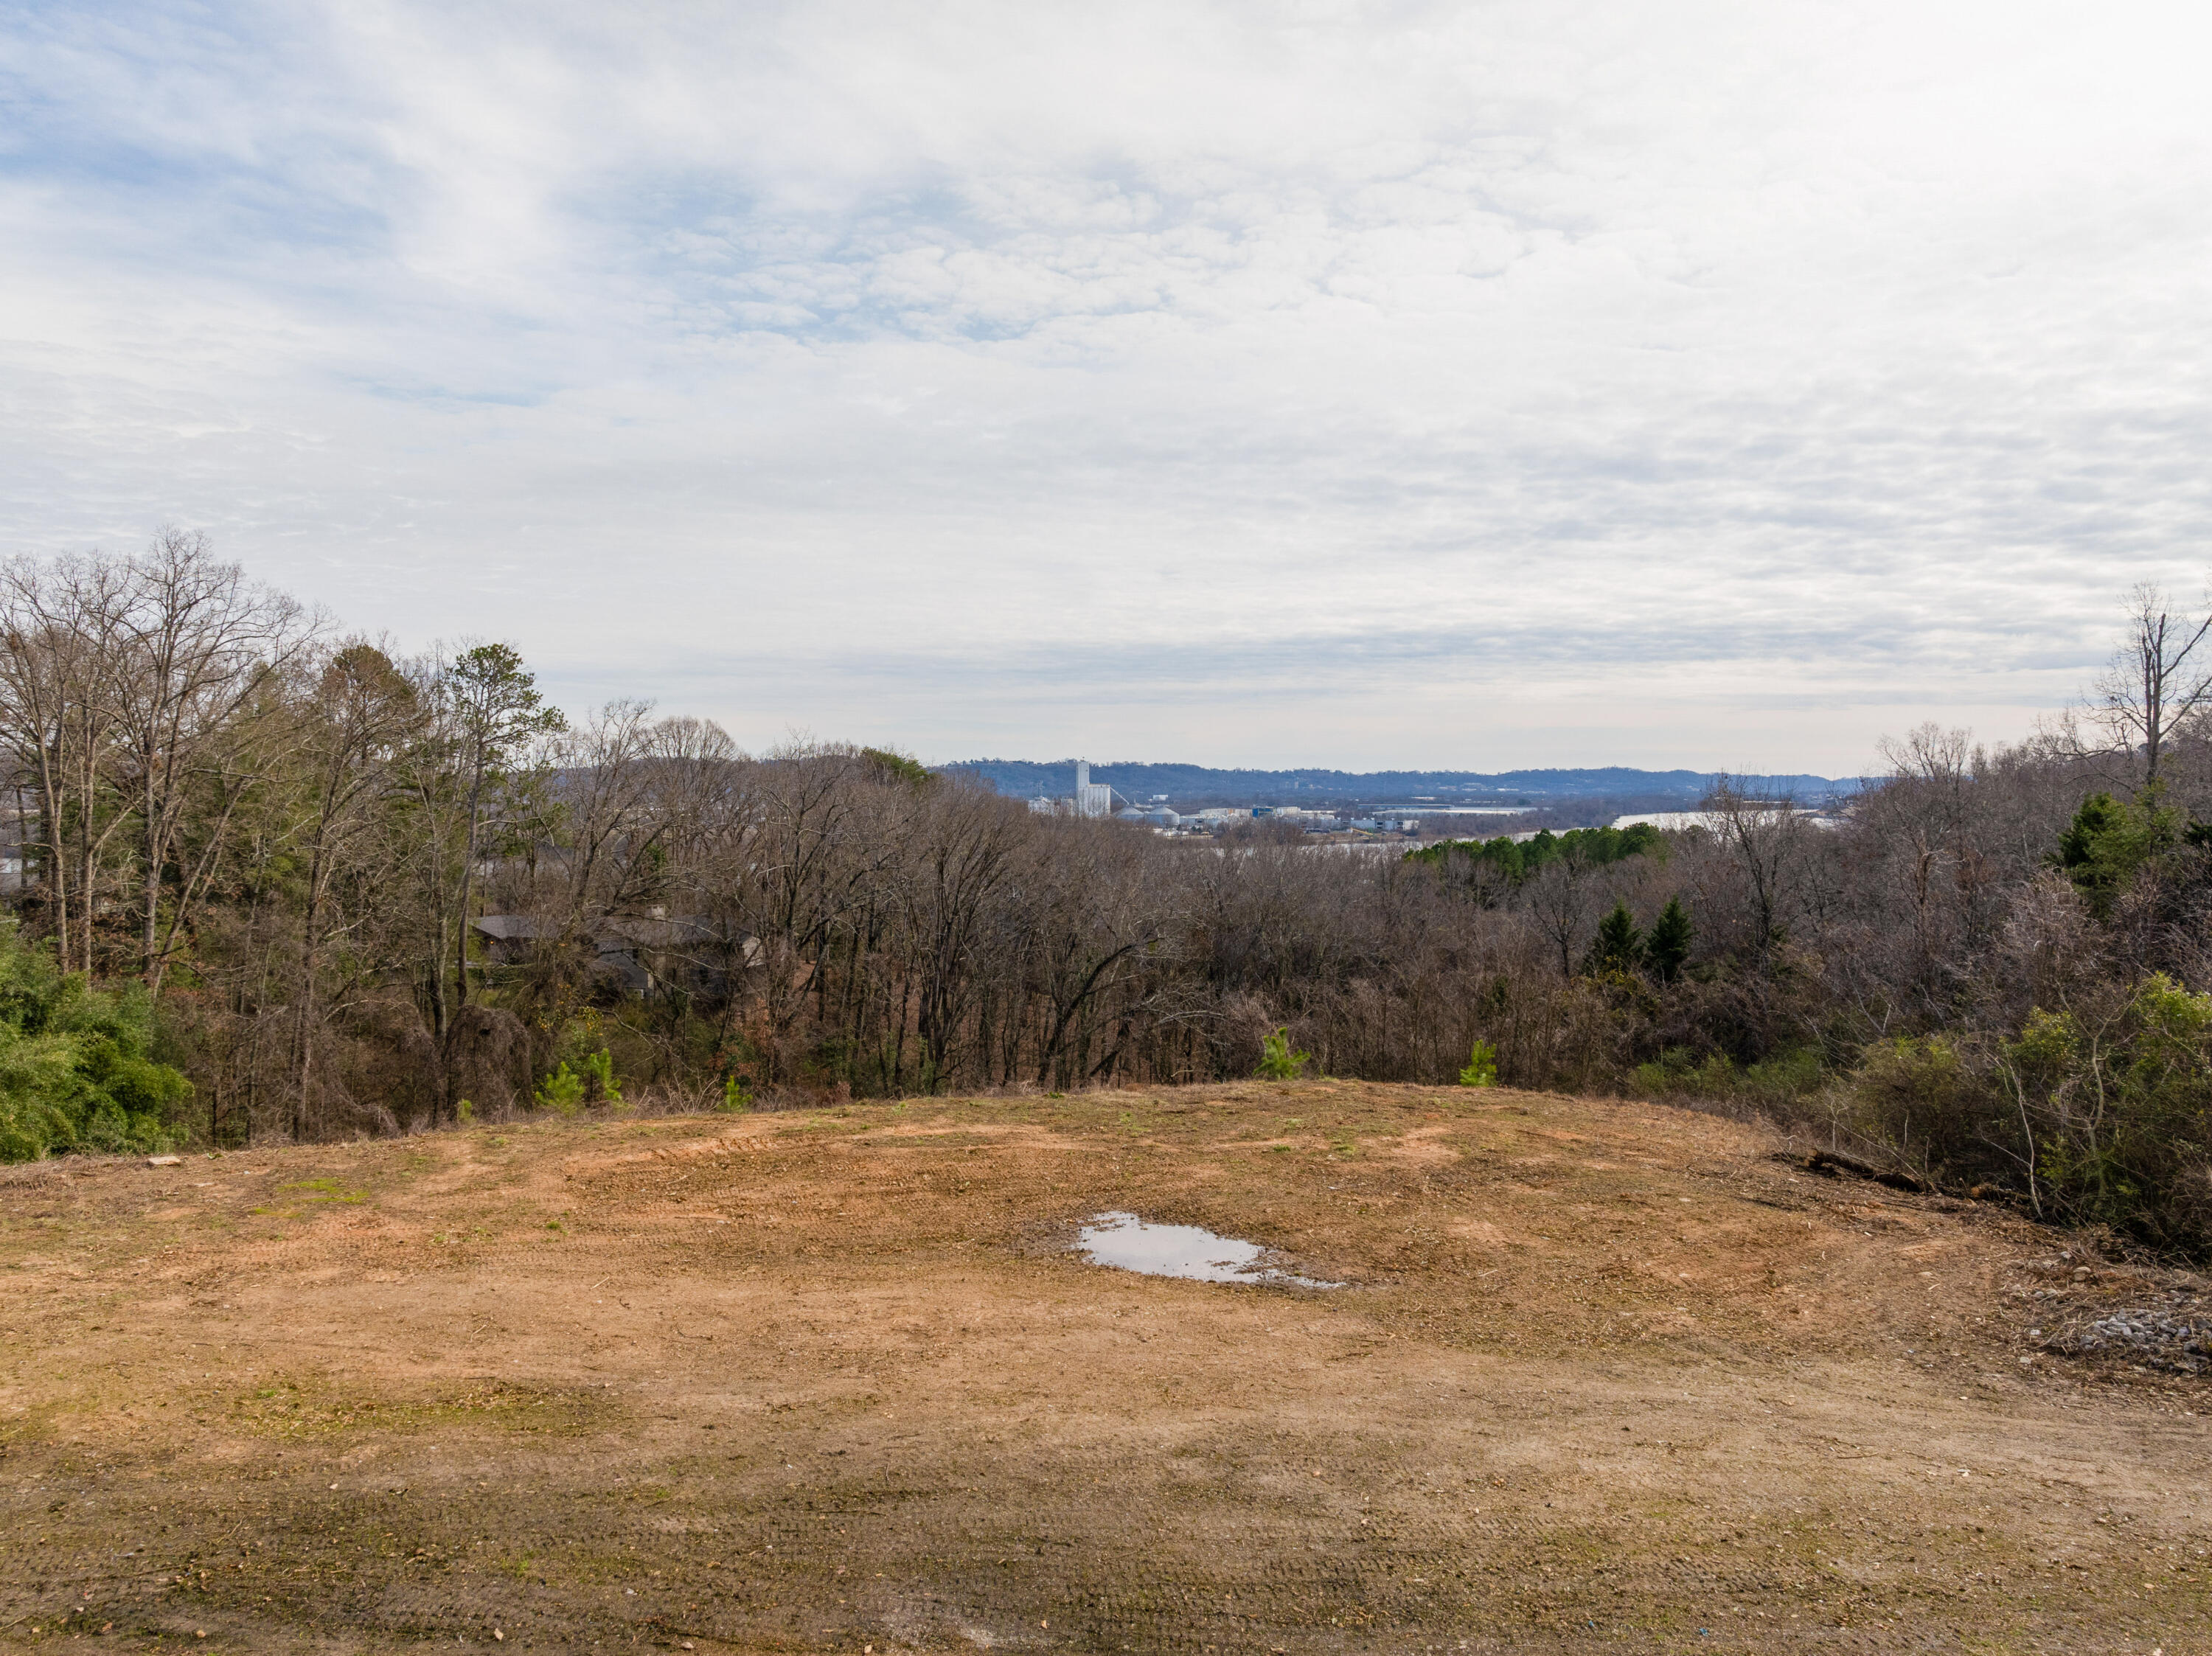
75	1072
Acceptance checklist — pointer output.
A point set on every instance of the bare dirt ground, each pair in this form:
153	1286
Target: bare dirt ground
1607	1376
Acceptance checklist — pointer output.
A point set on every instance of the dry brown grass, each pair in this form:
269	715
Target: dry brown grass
1609	1376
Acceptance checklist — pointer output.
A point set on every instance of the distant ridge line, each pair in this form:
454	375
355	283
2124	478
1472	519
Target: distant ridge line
1026	777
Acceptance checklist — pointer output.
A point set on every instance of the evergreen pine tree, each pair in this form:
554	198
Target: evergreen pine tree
2107	842
1668	945
1620	945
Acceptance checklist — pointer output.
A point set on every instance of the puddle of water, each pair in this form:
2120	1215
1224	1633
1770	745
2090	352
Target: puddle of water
1127	1242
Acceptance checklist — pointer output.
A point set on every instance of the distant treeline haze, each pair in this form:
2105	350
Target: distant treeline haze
1198	785
278	882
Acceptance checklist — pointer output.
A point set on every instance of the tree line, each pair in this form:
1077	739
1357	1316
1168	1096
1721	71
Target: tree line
273	881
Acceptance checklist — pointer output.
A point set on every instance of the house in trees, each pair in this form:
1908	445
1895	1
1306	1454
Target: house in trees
641	953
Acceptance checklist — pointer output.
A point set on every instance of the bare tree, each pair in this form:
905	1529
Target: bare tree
966	835
2156	679
1095	917
801	863
1920	850
1764	838
60	731
1560	897
615	830
360	715
194	642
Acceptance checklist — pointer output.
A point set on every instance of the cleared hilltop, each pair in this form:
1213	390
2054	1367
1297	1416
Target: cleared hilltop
825	1381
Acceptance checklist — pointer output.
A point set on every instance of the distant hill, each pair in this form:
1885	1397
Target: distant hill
1196	784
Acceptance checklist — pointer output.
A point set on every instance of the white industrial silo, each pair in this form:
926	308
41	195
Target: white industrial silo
1091	798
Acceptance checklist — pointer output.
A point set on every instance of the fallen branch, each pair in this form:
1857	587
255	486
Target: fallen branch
1829	1165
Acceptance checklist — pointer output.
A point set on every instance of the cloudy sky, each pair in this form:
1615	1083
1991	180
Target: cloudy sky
1478	385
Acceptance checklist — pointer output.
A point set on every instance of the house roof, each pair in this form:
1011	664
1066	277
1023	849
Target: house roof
619	933
510	928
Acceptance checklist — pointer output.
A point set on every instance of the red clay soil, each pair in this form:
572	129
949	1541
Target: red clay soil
1606	1376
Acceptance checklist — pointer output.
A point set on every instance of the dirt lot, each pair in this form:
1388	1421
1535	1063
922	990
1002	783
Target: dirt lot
1606	1376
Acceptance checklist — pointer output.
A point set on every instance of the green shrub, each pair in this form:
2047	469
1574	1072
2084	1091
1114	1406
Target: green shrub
1277	1061
1777	1084
1918	1095
2120	1103
1481	1066
75	1070
1678	1074
736	1097
561	1091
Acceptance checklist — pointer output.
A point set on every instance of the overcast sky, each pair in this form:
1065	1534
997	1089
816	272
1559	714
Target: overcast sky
1473	385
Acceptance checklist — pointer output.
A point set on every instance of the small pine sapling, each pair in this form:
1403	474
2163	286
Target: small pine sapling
1481	1066
599	1070
1277	1061
562	1091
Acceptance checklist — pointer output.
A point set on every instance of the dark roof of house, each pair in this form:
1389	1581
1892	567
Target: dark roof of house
615	932
509	928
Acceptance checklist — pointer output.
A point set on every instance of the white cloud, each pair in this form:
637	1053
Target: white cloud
1356	385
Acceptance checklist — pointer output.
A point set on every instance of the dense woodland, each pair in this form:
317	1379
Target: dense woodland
256	858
